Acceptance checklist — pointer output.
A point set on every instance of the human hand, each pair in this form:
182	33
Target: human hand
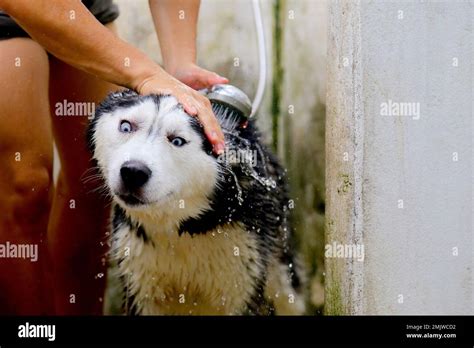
194	103
197	77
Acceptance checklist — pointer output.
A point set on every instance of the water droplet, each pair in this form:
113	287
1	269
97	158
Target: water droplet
239	189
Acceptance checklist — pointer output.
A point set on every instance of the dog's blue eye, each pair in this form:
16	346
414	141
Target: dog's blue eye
125	127
177	141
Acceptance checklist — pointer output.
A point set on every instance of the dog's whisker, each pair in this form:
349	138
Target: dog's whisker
102	189
92	178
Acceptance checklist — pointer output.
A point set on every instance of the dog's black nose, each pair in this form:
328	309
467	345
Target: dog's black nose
134	174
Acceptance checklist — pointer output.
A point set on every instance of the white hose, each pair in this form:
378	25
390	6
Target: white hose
262	58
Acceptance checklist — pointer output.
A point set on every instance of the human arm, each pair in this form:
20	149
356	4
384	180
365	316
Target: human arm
70	32
176	25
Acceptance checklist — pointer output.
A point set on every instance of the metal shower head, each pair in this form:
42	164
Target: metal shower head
230	96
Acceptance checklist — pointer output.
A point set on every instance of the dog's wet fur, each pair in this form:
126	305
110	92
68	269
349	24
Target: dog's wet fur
192	232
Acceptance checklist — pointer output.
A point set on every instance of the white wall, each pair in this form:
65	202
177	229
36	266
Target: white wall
407	56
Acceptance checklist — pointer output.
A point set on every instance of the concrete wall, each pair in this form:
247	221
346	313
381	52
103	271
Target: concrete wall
292	114
400	186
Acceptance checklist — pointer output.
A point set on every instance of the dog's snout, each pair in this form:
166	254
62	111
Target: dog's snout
134	174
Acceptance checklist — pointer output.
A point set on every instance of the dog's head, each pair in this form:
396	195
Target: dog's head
151	153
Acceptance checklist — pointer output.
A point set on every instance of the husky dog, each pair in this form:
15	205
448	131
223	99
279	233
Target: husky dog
192	232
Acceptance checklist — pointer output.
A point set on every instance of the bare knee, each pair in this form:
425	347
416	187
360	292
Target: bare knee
31	193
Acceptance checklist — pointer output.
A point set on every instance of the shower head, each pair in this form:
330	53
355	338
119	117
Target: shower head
230	96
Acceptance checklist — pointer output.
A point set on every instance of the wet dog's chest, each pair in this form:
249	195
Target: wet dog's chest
213	273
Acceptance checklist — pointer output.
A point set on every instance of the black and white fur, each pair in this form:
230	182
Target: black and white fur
204	234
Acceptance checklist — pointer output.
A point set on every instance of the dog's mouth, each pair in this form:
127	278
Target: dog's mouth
131	199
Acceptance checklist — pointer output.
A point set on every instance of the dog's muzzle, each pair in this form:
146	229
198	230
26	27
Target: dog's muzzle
134	175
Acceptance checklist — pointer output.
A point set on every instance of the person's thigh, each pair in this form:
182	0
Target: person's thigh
25	177
78	222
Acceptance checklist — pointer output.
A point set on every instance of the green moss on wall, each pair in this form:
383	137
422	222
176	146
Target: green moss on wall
278	70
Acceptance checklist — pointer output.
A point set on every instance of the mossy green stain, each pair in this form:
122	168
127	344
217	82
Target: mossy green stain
333	304
278	70
346	184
